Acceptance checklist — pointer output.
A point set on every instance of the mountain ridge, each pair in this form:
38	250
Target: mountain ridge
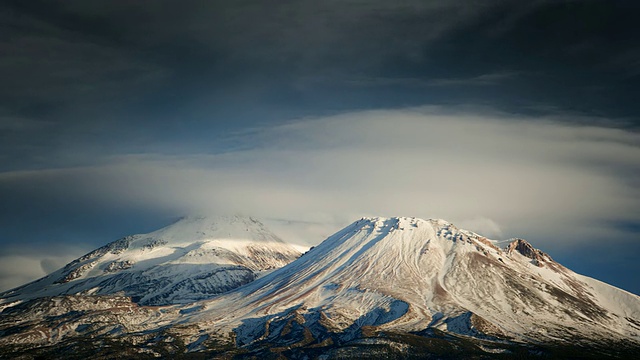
208	255
379	286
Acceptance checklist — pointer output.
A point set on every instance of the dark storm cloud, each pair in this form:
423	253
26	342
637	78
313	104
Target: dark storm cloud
566	52
113	76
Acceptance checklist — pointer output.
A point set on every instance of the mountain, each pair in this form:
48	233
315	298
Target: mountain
413	276
381	287
192	259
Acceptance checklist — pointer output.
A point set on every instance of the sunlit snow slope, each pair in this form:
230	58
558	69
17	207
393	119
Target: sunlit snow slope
192	259
408	274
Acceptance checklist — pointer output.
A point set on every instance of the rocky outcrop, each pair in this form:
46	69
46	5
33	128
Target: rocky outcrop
537	257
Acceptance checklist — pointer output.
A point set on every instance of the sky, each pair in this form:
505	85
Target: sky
509	118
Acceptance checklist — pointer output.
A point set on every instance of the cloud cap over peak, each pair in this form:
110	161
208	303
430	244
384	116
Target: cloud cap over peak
520	172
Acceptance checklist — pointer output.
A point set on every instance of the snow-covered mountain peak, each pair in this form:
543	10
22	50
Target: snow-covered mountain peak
409	274
410	236
200	227
417	229
403	220
388	224
193	258
399	257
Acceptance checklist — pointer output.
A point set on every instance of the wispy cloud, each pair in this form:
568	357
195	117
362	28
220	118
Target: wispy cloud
493	78
18	266
15	124
493	172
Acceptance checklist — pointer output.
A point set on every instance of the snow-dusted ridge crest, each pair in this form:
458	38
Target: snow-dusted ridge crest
378	281
193	258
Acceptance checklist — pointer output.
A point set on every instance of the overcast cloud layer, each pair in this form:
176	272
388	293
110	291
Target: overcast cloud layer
505	117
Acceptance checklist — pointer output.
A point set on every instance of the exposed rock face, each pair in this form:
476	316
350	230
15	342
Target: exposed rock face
525	249
118	265
77	268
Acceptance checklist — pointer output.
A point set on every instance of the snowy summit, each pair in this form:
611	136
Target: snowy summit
191	259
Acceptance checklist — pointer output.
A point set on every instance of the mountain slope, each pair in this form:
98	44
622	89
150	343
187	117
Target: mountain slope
379	287
192	259
408	275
